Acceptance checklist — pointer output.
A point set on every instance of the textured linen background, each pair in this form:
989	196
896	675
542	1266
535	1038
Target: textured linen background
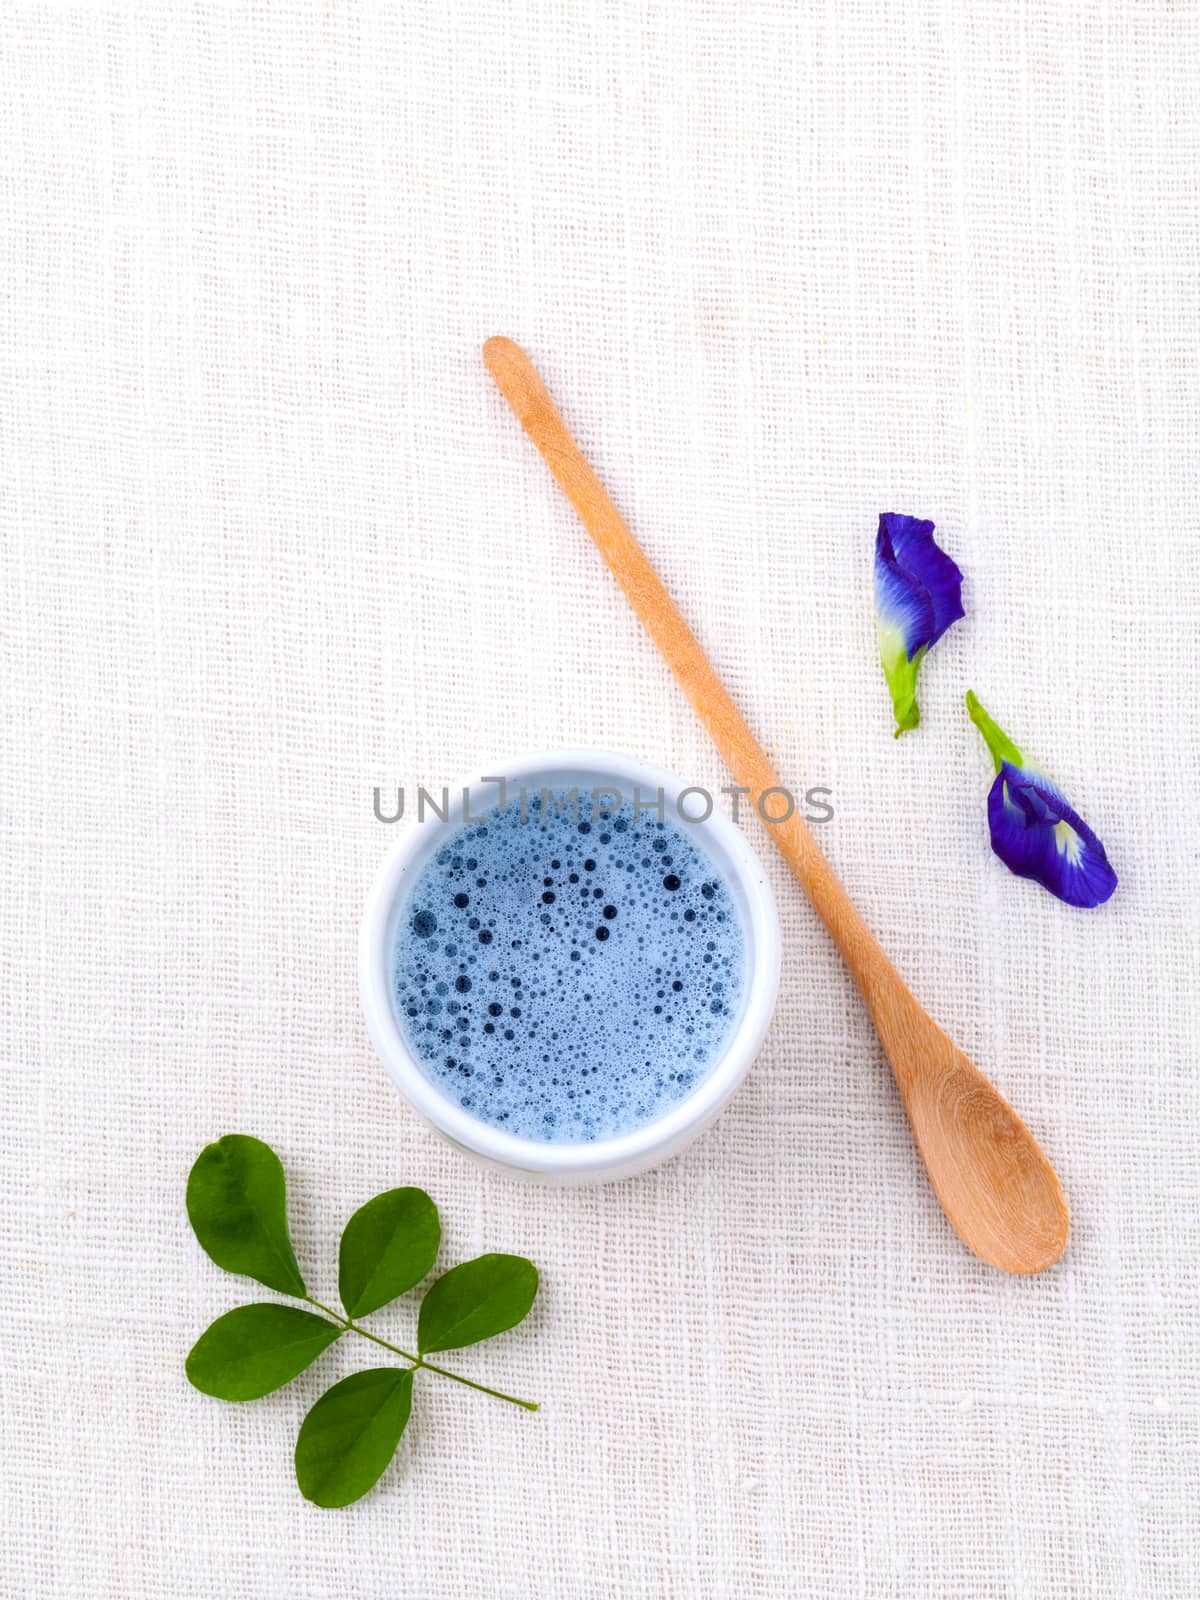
272	538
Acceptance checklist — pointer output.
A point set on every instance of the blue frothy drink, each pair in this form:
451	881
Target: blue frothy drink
568	980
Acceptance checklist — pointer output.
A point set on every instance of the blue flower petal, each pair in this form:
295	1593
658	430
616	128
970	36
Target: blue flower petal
901	602
918	594
1038	835
1035	832
916	554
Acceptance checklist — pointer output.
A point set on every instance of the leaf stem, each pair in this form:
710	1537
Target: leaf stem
351	1326
497	1394
329	1312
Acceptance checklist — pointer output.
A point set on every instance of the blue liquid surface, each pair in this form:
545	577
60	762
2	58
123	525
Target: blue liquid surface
564	979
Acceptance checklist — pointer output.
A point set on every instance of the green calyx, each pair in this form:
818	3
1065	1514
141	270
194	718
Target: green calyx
901	675
997	741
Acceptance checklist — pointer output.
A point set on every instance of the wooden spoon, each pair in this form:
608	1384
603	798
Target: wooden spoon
991	1177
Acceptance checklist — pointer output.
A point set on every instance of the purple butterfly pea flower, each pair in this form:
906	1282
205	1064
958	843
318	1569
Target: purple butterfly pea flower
1034	831
918	594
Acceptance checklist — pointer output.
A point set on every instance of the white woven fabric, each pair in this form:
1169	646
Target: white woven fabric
272	538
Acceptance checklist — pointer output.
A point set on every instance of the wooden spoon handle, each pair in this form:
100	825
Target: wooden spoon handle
525	392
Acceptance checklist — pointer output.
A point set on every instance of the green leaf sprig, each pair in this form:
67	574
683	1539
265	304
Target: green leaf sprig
237	1205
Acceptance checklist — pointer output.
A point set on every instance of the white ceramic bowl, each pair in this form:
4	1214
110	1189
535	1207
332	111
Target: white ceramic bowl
629	1153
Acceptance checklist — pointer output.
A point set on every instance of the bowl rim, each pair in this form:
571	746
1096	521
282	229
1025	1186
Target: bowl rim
681	1122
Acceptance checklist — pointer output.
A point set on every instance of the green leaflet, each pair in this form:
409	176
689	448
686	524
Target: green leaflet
251	1351
350	1435
237	1205
476	1301
388	1245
